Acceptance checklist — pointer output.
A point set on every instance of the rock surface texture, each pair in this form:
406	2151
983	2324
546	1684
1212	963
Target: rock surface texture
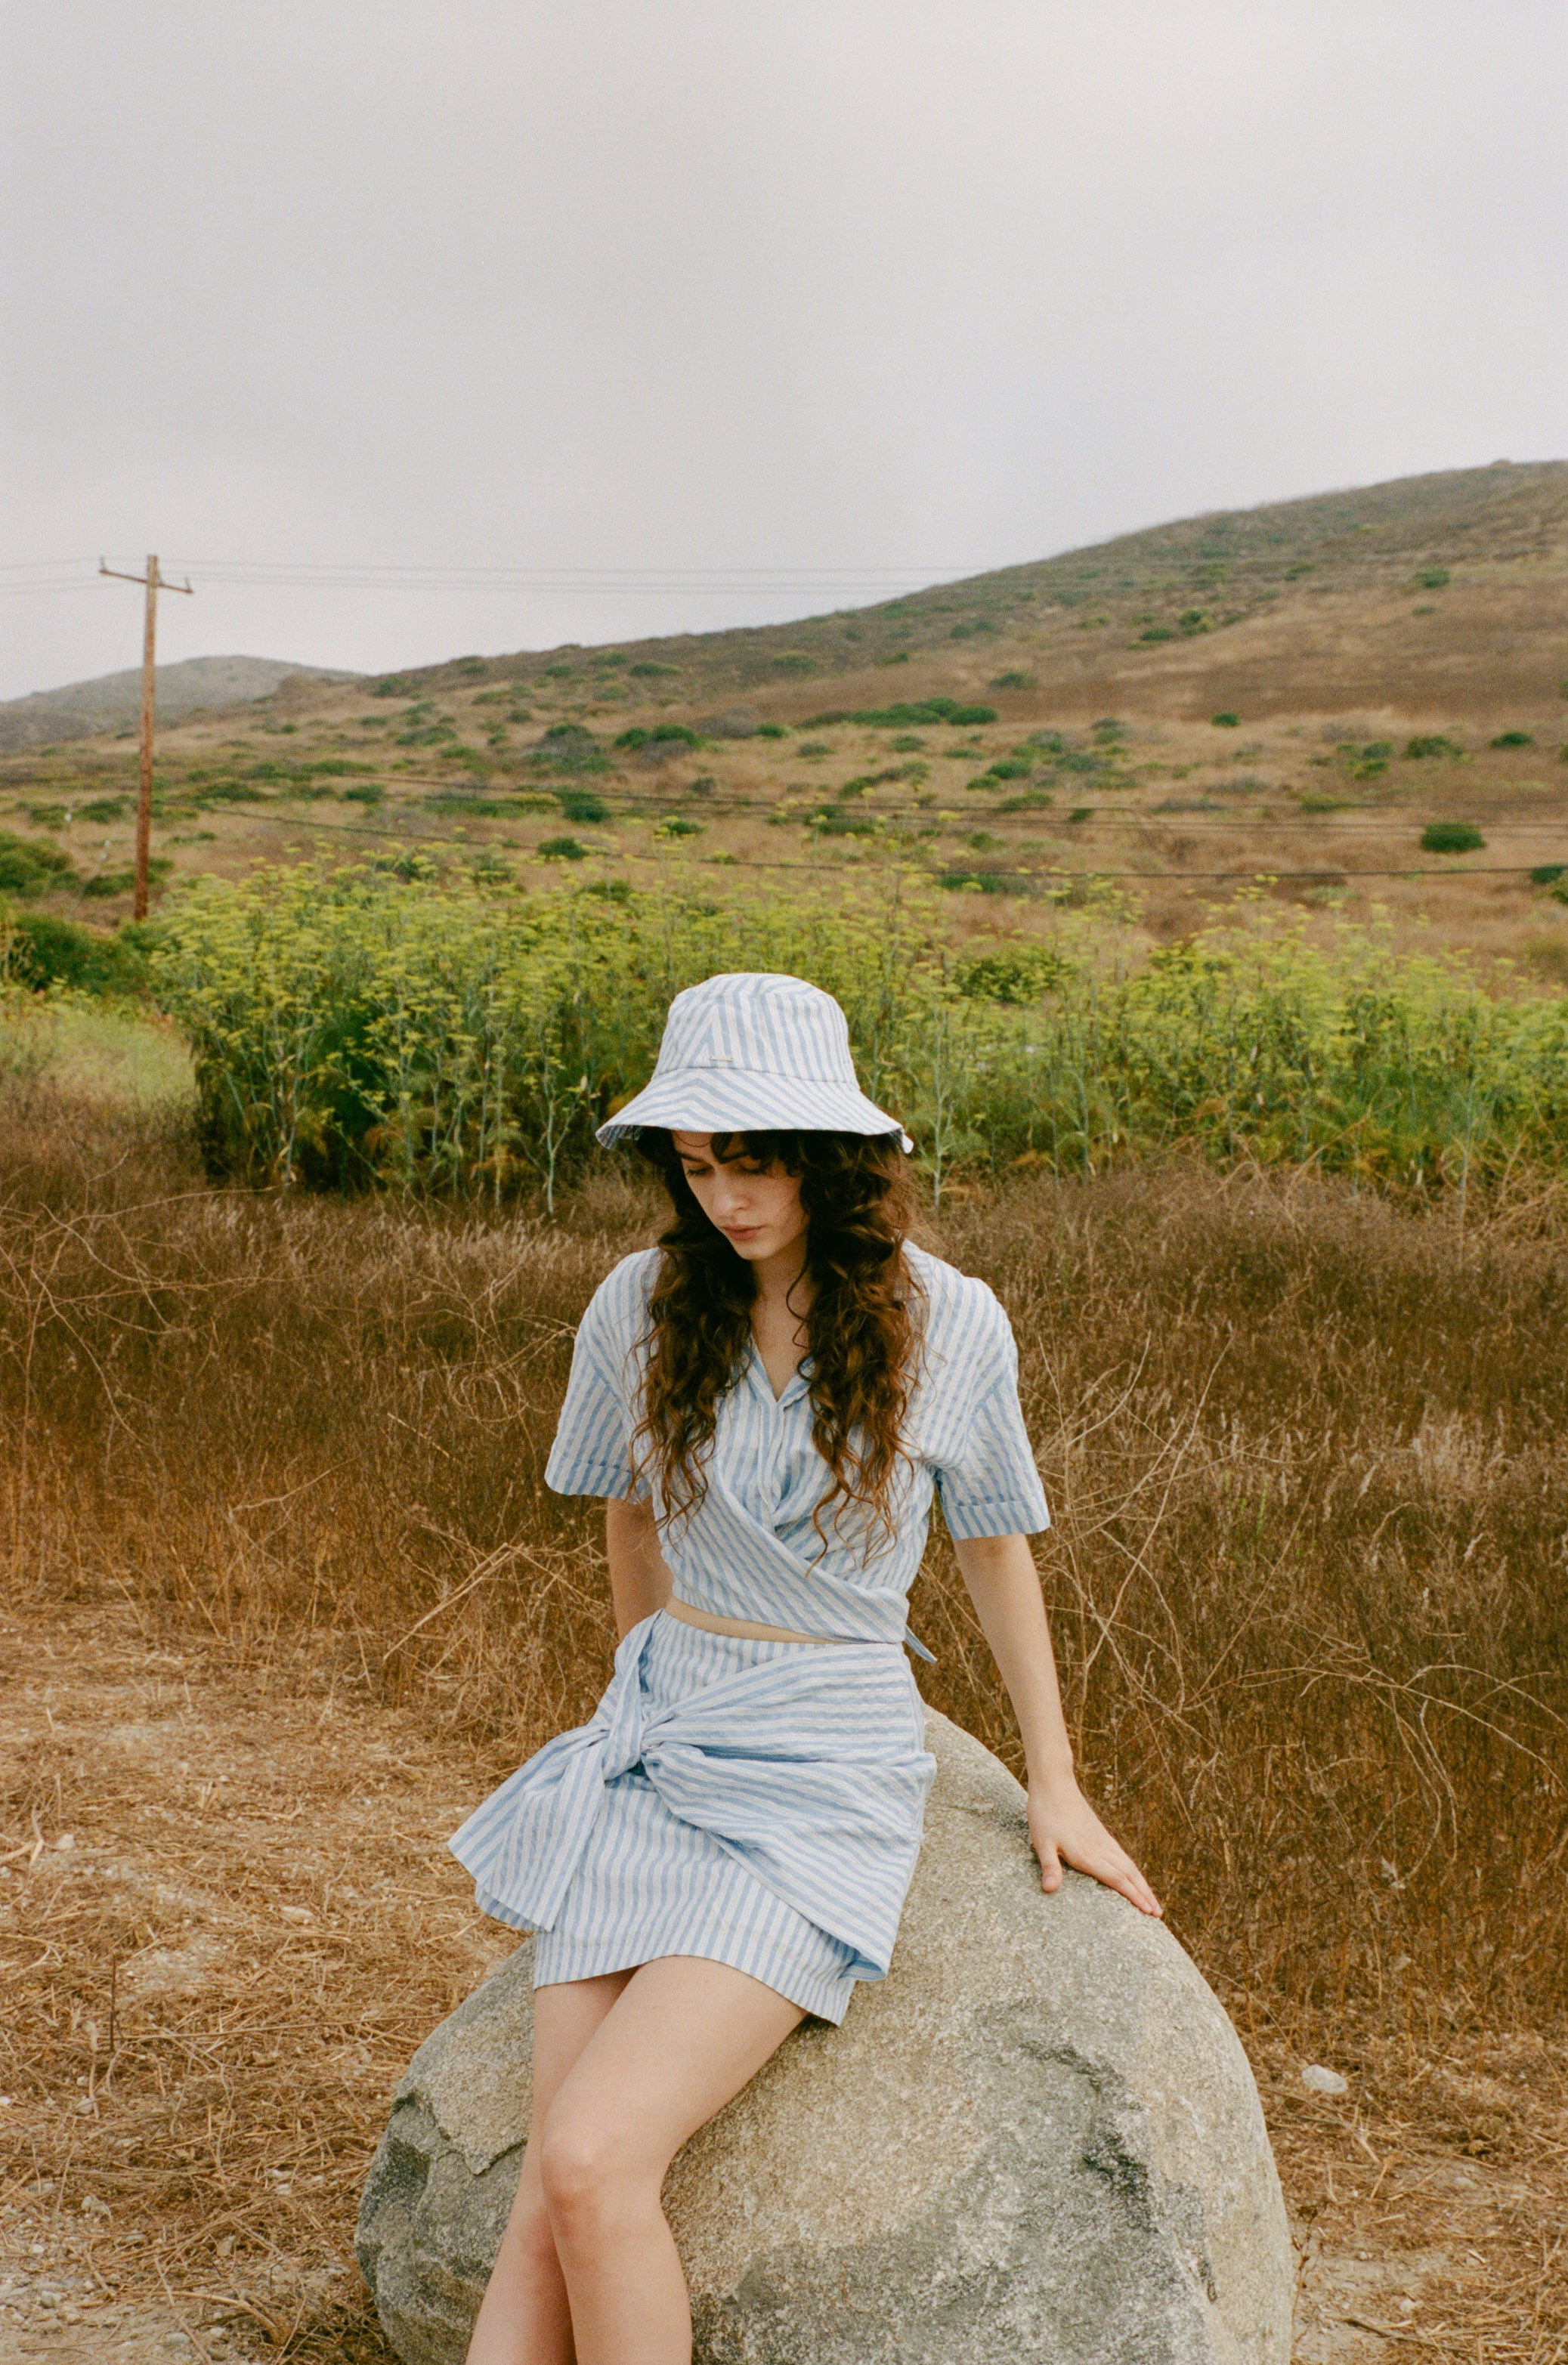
1038	2139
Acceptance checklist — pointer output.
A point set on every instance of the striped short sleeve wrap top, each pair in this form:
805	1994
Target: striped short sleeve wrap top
750	1550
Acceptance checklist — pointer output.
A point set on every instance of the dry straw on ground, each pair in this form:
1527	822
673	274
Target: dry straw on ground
276	1475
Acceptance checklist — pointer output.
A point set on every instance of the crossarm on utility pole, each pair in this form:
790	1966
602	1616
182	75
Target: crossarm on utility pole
153	583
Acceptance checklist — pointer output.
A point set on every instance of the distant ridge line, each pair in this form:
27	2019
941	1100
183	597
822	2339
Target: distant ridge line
190	686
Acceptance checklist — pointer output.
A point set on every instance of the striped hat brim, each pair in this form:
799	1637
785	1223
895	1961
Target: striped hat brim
738	1100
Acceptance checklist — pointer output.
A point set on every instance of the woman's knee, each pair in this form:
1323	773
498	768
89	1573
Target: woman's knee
527	2228
586	2176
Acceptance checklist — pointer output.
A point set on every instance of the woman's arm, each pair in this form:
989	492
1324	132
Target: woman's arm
1064	1828
639	1581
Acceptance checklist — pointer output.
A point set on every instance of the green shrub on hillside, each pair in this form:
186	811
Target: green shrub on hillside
1429	744
28	867
1370	762
663	735
1433	579
1514	739
568	748
581	805
1451	837
837	821
106	884
980	883
1225	721
562	849
38	950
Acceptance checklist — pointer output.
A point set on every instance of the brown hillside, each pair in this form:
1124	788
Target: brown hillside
1392	656
1304	606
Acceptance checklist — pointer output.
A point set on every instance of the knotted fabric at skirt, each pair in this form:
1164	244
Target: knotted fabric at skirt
807	1766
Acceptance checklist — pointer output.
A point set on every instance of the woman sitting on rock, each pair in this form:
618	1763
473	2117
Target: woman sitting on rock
768	1400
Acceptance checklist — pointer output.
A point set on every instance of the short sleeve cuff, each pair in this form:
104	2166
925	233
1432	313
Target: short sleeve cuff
564	1474
996	1515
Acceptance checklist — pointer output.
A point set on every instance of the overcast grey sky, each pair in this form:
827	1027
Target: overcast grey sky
895	288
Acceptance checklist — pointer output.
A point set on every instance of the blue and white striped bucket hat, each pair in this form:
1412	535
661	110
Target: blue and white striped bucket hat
750	1053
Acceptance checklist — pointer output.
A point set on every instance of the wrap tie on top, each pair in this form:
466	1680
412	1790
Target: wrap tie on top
779	1763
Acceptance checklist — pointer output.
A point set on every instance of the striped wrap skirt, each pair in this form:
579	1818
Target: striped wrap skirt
755	1803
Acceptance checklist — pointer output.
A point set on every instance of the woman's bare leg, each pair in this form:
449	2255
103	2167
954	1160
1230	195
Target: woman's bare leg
524	2317
681	2039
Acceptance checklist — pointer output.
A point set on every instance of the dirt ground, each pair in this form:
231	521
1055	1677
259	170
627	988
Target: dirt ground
228	1918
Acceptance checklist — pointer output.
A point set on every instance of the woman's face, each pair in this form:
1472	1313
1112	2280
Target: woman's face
760	1215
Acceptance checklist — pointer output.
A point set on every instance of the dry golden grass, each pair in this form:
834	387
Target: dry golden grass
286	1591
213	1986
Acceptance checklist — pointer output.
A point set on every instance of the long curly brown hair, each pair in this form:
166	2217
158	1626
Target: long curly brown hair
862	1327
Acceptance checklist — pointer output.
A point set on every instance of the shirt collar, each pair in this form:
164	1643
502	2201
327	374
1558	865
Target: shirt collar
755	1373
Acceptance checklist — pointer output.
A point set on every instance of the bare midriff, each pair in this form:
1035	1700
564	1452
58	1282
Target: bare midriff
741	1627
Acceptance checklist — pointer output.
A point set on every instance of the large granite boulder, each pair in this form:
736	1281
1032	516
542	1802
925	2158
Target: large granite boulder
1038	2139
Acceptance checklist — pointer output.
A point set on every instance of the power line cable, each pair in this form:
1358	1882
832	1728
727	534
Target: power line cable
356	574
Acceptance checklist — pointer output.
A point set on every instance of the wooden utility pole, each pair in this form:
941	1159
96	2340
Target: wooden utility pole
153	583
